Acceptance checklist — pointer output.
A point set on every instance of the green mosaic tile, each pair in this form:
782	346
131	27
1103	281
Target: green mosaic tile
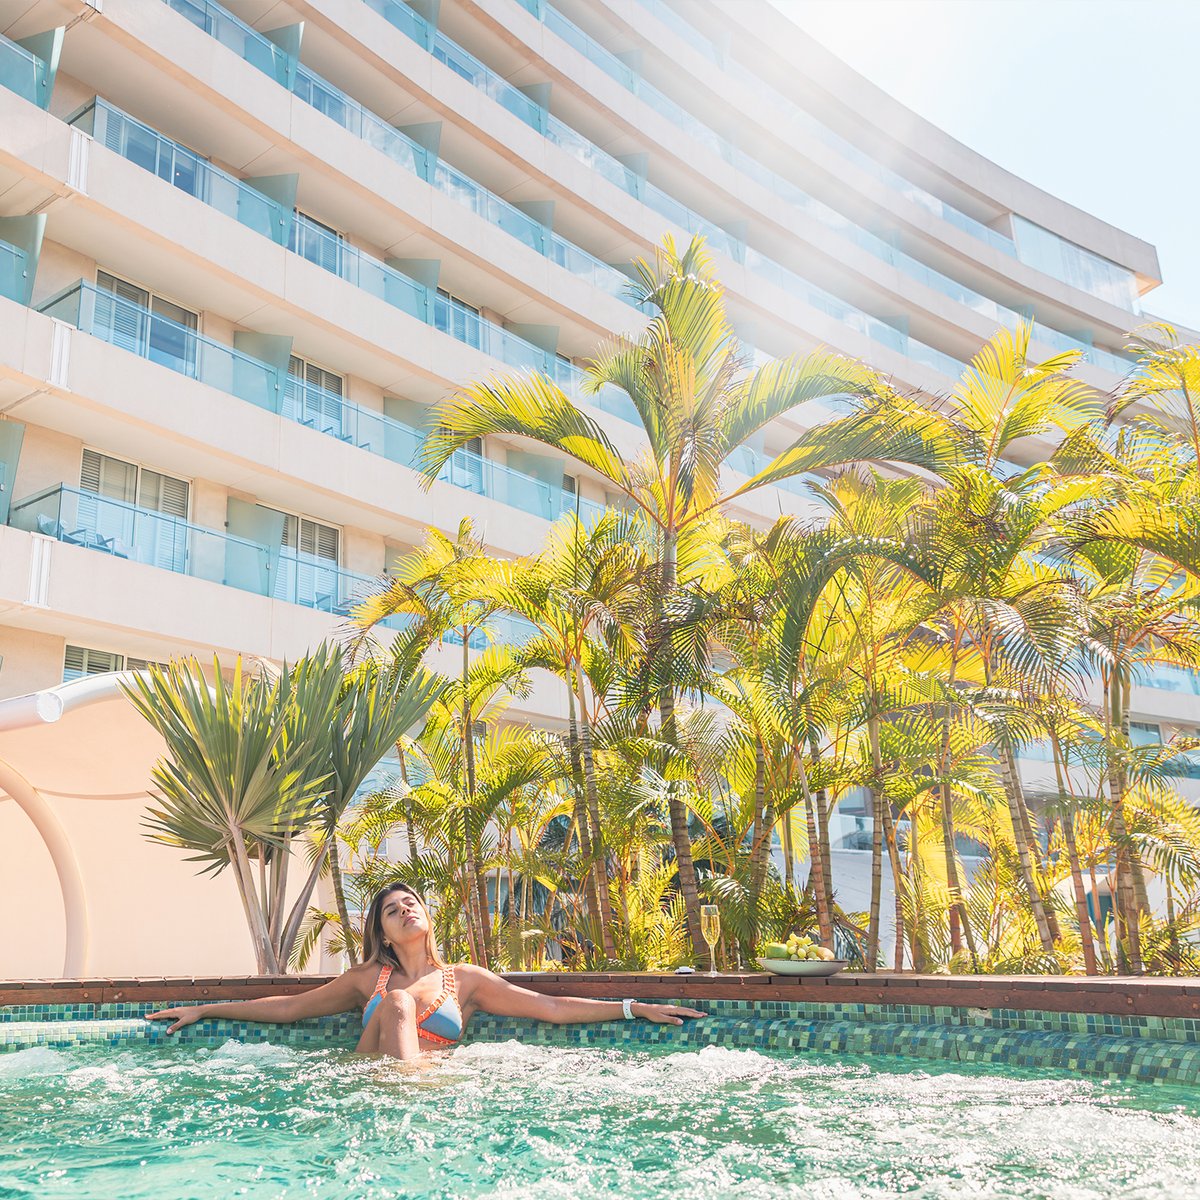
1149	1049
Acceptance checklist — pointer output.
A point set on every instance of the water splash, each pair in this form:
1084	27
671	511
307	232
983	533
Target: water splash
511	1120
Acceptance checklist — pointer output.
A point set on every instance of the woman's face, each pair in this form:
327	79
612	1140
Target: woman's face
402	919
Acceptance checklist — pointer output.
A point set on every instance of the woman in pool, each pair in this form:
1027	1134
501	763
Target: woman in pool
411	1000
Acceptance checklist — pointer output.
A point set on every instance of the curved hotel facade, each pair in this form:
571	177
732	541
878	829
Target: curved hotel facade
243	247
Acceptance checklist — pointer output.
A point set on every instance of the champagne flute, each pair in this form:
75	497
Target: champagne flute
710	929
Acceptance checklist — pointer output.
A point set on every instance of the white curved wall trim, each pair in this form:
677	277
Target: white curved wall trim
66	866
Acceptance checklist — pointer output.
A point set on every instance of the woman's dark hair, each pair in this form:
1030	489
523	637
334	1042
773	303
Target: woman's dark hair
374	949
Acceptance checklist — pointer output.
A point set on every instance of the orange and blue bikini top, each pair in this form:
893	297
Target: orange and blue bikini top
440	1023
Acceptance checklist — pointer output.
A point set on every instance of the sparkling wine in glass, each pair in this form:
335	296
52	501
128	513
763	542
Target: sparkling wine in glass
710	930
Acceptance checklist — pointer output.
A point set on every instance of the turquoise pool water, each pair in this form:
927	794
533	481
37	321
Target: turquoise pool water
506	1120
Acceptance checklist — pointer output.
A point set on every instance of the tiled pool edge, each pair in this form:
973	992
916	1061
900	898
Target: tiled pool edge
1023	1042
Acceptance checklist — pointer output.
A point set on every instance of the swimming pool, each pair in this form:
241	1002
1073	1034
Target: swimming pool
491	1119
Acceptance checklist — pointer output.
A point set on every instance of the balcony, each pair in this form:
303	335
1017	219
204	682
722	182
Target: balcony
150	150
125	531
796	197
180	167
342	109
257	50
122	530
130	327
235	35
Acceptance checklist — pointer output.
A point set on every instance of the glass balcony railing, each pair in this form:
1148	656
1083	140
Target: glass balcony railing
1072	264
470	68
180	167
334	254
361	122
236	35
127	325
122	530
122	323
796	196
23	72
1170	679
968	224
401	149
14	272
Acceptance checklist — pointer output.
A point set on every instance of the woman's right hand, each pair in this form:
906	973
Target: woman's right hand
181	1016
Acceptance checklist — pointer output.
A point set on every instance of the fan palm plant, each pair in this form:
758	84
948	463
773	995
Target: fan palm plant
233	783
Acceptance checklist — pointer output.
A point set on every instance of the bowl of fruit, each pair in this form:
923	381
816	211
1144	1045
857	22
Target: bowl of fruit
799	955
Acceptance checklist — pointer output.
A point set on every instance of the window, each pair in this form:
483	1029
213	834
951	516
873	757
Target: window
81	661
466	466
324	98
1143	733
457	318
320	244
308	564
564	371
136	513
570	484
153	152
313	396
125	481
311	538
136	319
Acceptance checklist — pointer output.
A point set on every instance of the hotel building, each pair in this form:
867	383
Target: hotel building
243	248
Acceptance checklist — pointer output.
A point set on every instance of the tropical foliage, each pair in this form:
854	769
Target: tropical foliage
930	664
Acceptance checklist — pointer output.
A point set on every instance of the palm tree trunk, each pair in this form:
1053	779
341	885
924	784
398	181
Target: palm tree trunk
1012	792
960	920
339	895
291	929
1129	942
1035	851
893	852
264	954
591	896
477	906
1135	863
410	830
821	796
591	791
1068	827
817	864
758	859
877	803
680	837
281	856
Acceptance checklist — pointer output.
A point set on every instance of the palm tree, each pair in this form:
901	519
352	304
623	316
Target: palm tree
233	784
582	587
433	587
377	705
697	404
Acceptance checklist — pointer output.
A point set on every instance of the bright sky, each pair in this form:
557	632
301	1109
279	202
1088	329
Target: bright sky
1096	101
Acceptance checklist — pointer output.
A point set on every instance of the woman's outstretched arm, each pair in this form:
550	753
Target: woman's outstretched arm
339	995
497	996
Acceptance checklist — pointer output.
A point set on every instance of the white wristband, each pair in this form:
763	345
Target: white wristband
627	1009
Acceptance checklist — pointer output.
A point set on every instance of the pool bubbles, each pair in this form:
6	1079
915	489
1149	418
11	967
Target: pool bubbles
511	1120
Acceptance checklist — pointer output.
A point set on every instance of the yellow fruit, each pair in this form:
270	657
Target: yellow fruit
825	954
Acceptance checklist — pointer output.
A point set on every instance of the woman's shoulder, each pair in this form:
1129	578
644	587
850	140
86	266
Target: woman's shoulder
469	976
363	975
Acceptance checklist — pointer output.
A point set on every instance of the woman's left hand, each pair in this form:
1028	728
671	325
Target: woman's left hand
664	1014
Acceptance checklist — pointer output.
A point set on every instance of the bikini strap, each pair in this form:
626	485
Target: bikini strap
381	983
449	982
